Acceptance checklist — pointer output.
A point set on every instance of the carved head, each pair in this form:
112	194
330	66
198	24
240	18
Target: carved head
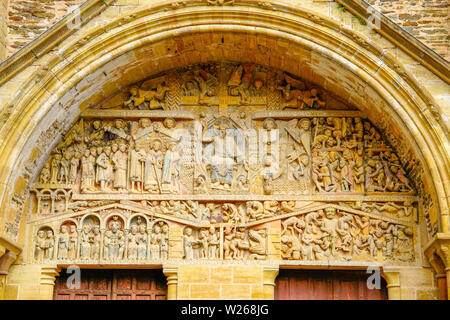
145	122
134	228
330	212
157	145
63	229
41	234
304	124
169	123
93	152
188	231
49	234
119	123
96	124
115	147
269	124
122	147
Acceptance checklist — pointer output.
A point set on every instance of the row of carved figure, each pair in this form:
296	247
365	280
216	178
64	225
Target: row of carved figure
333	154
248	82
116	166
332	234
239	243
116	243
138	244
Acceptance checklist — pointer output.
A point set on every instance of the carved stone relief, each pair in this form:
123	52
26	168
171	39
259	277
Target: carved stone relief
333	234
215	153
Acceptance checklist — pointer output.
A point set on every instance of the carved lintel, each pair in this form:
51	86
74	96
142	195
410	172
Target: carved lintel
136	114
307	114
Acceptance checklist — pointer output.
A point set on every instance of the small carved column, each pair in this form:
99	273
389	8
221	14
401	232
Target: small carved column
172	282
270	273
392	277
47	283
101	252
438	254
5	262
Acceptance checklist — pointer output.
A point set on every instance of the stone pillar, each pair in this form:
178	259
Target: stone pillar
392	277
47	281
442	285
5	262
270	273
172	282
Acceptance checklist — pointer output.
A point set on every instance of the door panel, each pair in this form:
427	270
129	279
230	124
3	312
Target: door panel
114	285
326	285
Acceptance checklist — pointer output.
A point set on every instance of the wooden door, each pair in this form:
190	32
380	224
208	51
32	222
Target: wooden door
326	285
138	285
113	285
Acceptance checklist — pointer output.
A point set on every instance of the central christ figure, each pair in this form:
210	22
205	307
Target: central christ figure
223	154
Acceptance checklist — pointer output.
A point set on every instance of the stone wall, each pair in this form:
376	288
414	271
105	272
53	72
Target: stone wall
427	20
29	18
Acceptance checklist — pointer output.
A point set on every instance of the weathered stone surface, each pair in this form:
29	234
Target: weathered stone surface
40	108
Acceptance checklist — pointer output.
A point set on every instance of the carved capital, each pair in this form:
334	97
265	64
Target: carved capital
270	273
392	277
438	253
171	272
49	274
6	260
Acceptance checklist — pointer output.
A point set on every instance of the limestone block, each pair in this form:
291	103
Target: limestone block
194	274
236	291
247	274
205	291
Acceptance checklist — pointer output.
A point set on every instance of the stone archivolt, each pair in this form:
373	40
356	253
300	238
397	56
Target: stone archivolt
209	157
